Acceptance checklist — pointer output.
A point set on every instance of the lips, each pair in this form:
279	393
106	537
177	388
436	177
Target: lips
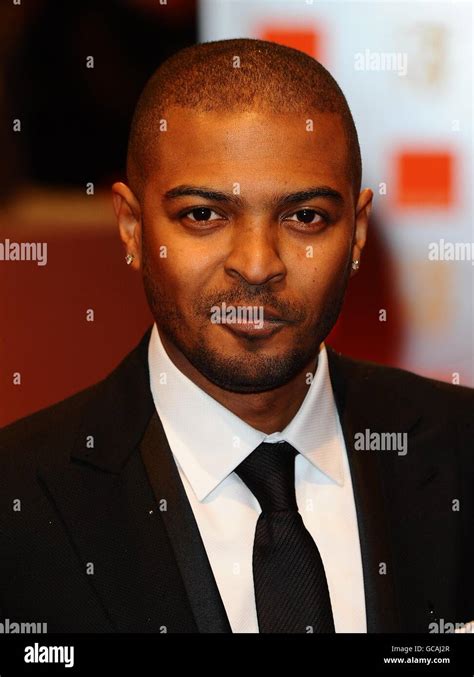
255	330
250	321
270	314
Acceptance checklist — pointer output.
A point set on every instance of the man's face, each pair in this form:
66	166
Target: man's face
256	245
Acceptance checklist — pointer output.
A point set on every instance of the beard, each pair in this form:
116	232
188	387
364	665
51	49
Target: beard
253	370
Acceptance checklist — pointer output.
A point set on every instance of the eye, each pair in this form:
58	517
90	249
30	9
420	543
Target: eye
201	214
307	217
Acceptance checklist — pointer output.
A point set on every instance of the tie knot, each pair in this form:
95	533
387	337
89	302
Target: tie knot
269	473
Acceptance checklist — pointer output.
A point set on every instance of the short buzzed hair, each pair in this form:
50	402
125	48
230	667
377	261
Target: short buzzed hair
204	77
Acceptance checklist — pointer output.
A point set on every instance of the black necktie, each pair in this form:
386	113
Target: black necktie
291	590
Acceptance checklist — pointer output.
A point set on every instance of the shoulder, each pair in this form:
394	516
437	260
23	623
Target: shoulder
50	433
393	384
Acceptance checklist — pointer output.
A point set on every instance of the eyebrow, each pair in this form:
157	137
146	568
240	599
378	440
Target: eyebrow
277	200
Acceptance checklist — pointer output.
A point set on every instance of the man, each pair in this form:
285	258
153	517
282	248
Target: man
234	474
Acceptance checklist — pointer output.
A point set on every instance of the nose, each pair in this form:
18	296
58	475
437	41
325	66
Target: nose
254	255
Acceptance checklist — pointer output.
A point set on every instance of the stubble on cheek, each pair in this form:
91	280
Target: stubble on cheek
169	307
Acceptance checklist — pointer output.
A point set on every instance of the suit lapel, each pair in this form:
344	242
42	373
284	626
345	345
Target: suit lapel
115	550
182	531
401	501
148	567
381	608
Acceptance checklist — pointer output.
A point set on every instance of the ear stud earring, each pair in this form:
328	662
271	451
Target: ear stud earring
355	264
129	258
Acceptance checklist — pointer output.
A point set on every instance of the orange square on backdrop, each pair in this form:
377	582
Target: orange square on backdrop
304	39
424	178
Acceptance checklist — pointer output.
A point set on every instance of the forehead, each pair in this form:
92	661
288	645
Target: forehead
248	146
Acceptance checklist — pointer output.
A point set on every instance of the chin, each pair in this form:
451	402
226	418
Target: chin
249	373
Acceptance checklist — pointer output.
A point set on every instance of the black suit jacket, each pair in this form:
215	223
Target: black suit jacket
97	534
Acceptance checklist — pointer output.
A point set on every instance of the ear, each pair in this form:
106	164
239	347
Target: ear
363	209
128	214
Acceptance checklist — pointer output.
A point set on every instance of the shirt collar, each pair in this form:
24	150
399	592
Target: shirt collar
208	441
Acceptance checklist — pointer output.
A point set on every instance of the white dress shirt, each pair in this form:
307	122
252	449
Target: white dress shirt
208	442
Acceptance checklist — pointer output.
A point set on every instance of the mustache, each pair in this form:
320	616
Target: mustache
283	307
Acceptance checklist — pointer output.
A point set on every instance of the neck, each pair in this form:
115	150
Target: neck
269	411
